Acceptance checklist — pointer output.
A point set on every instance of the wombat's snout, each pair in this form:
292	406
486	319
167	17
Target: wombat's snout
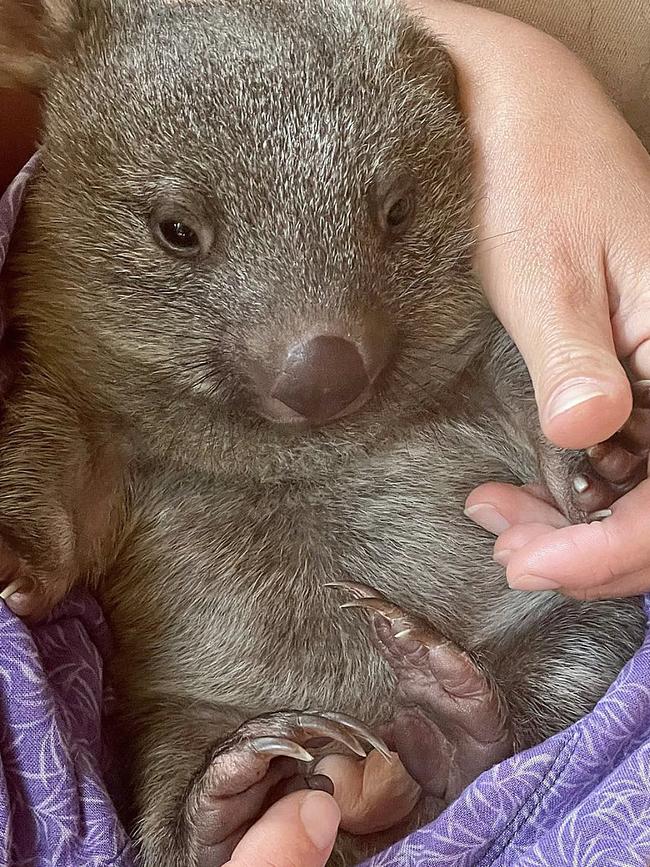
321	378
327	375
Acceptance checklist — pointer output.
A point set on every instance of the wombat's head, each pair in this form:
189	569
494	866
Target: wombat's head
251	212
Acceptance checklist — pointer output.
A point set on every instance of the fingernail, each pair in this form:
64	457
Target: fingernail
572	394
532	582
503	557
320	817
487	517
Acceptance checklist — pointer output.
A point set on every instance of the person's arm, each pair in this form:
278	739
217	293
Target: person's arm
611	36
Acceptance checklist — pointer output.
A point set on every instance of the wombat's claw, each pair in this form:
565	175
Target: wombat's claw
27	591
288	733
362	731
324	726
24	594
403	627
360	591
32	600
264	759
371	600
593	493
599	516
386	609
12	588
281	747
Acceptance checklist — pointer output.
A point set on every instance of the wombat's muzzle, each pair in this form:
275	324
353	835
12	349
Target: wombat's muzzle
327	375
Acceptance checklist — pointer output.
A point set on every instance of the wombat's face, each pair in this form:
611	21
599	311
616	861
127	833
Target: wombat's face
260	211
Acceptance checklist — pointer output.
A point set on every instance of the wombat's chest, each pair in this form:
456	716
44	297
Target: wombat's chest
220	589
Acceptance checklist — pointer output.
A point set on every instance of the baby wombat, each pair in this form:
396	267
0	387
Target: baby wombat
256	363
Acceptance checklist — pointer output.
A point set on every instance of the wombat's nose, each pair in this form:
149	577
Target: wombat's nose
321	378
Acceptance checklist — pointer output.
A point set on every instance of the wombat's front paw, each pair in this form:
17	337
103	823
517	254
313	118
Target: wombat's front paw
622	461
585	485
26	591
263	760
449	725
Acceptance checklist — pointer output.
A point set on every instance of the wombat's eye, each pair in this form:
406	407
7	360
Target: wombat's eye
180	231
396	205
177	236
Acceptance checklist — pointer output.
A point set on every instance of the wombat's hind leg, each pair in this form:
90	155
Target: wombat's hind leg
449	725
263	760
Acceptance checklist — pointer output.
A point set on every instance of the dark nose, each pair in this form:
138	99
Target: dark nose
321	378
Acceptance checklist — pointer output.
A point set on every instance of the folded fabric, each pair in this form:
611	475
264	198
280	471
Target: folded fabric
55	810
581	798
54	807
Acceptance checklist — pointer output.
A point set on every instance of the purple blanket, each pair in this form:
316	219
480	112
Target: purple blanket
582	798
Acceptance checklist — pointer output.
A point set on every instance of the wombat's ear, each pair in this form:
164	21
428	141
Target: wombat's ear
33	34
431	60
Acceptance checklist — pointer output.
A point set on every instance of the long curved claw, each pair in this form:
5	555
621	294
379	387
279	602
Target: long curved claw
324	726
380	606
361	591
280	747
289	734
362	732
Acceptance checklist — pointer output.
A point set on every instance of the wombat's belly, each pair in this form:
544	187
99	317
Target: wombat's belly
220	595
221	592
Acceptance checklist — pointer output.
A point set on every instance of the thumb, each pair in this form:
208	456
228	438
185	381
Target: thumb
582	391
297	831
560	321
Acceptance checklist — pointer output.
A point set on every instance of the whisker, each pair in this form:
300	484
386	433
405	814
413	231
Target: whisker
490	249
498	235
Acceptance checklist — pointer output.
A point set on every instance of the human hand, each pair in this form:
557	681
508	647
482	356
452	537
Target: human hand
300	829
297	831
565	263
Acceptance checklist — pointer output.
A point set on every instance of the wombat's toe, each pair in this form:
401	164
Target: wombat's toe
32	602
614	463
590	495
